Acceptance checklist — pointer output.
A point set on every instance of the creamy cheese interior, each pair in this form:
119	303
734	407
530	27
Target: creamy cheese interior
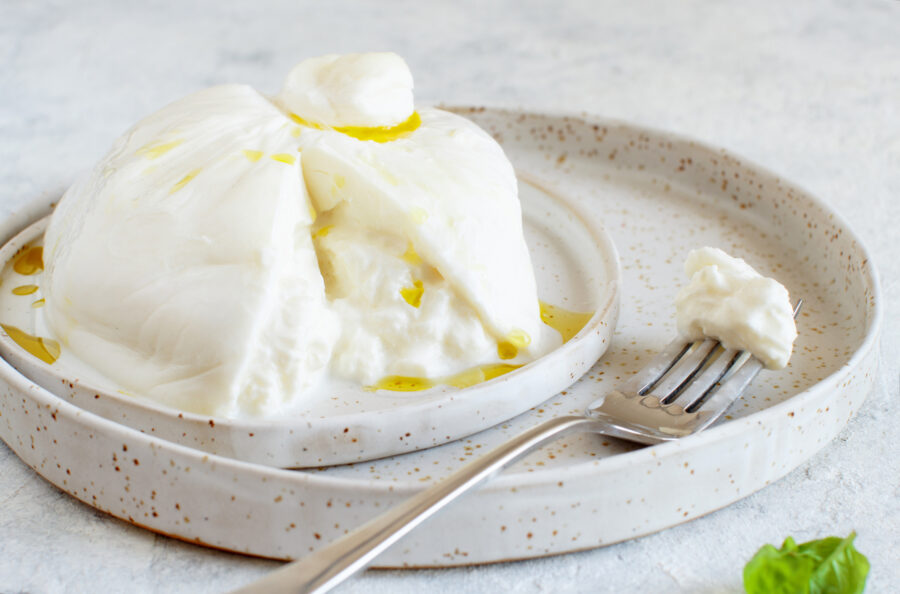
233	250
728	300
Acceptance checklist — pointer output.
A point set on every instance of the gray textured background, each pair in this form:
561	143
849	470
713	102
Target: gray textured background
808	89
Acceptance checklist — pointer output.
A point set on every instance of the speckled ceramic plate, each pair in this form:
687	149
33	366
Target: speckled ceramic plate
659	195
576	268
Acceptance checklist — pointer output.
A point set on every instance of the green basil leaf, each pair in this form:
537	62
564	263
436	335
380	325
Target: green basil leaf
778	571
827	566
841	568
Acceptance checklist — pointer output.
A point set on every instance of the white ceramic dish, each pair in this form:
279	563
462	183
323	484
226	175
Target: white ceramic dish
659	196
576	268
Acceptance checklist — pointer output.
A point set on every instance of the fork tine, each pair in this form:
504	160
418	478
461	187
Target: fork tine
729	390
705	382
731	385
683	380
683	371
662	362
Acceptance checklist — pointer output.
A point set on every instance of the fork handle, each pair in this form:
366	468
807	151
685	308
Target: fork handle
328	567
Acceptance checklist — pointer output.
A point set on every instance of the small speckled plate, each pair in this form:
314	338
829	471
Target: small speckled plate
659	196
576	268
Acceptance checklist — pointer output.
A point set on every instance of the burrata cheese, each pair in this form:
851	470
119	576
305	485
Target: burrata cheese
728	300
234	251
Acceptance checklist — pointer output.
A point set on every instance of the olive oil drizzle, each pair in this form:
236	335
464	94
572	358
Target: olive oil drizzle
27	263
25	290
376	133
413	295
464	379
30	261
45	349
567	323
154	151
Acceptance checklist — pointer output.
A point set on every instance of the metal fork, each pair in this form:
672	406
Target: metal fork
686	387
